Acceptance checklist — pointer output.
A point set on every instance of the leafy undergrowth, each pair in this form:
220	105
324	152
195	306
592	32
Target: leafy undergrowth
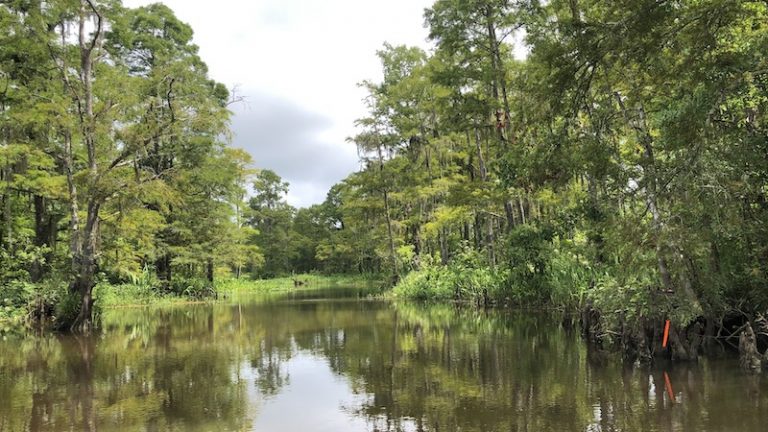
539	278
466	277
147	290
449	283
24	304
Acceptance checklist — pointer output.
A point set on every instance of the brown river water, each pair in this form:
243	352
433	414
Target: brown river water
332	360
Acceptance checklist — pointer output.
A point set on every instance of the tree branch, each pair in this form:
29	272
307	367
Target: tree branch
99	25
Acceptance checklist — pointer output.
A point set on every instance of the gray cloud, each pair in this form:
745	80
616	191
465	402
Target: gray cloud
310	54
288	139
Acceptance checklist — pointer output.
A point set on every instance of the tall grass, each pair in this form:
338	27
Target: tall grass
287	283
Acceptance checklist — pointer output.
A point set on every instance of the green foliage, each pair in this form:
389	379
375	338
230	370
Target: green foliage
113	156
23	303
67	309
14	302
295	282
621	165
427	284
466	277
528	253
194	288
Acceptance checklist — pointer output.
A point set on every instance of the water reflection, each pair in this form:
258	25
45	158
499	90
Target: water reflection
309	363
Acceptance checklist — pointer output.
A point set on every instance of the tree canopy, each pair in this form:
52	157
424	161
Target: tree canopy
113	153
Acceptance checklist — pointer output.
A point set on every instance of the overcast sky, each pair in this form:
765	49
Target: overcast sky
297	63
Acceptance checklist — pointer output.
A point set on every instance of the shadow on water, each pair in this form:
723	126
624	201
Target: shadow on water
325	360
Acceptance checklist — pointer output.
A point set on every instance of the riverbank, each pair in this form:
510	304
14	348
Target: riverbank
635	319
633	327
23	306
287	283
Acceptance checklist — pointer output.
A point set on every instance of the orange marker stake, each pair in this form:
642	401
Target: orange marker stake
668	383
666	335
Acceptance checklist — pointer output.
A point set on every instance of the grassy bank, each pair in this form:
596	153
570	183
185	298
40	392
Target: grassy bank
287	283
112	296
23	303
109	296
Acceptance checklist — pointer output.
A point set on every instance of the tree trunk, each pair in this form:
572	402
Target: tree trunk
390	233
416	239
85	266
209	269
478	231
443	246
46	232
7	215
37	269
489	237
490	243
499	80
748	354
509	211
481	161
163	267
651	189
85	244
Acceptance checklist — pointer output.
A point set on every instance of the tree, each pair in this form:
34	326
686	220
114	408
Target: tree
272	217
108	116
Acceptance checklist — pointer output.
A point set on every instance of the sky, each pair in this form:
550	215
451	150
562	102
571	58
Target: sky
297	63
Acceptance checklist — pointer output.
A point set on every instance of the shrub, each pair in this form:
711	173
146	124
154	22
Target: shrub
194	288
67	308
467	277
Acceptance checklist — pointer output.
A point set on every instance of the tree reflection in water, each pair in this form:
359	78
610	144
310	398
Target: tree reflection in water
393	367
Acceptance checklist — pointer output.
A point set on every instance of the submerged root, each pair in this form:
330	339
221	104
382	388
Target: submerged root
749	356
685	344
765	359
640	340
590	325
634	341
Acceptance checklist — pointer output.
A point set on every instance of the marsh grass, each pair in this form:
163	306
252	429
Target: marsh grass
288	283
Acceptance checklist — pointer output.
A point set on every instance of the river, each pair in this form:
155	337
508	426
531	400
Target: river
335	360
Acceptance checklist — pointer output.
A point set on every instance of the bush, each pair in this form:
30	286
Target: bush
467	277
194	288
528	254
428	284
538	268
635	297
23	303
67	309
14	302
